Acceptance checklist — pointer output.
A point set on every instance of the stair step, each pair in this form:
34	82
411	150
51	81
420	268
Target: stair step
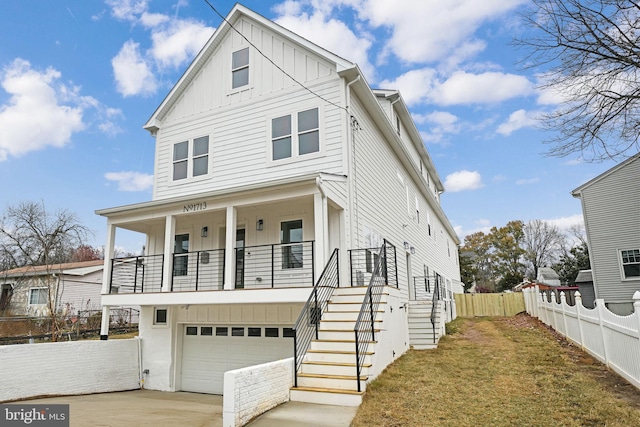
314	356
326	396
340	382
333	368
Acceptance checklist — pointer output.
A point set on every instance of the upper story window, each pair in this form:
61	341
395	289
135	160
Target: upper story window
631	263
398	124
195	152
181	255
240	68
295	134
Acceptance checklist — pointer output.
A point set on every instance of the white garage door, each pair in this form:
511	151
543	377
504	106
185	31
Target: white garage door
208	351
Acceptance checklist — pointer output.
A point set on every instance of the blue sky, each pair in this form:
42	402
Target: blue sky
79	78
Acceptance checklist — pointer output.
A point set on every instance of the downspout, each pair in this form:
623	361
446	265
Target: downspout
352	200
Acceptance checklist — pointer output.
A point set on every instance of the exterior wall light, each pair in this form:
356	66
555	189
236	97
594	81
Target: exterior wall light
260	225
204	231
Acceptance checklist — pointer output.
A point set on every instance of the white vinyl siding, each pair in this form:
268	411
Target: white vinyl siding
385	187
611	207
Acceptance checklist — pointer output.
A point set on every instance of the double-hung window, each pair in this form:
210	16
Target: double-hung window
295	135
630	263
240	68
38	296
191	158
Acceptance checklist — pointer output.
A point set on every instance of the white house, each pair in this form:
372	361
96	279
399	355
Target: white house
277	167
548	276
72	286
611	209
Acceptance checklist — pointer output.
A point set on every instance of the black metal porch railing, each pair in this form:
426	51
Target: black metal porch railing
306	327
275	266
136	274
198	271
364	329
421	288
362	263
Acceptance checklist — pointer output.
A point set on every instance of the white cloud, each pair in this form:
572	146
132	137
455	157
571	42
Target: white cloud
178	42
415	85
330	34
34	116
127	10
440	124
517	120
485	88
433	30
131	181
527	181
566	222
463	180
132	73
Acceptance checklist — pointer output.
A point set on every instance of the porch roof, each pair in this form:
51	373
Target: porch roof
289	182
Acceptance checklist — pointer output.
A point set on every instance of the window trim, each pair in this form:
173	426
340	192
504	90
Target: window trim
190	140
247	66
623	275
295	135
157	324
39	288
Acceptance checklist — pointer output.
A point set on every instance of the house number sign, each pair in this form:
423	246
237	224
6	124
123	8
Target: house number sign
194	207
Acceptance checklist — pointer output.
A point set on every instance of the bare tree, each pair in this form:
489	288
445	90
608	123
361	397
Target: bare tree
588	53
543	244
32	236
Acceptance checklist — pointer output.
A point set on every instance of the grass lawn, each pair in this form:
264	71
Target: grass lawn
509	371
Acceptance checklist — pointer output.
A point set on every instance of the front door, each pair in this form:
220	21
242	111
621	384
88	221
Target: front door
240	236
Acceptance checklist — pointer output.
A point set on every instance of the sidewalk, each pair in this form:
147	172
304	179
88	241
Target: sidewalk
299	414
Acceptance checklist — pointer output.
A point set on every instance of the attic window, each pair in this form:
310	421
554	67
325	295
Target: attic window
240	68
398	125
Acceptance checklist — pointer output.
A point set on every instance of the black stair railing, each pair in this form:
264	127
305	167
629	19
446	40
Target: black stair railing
384	273
306	327
437	296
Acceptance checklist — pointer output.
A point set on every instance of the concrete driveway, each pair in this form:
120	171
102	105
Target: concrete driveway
148	408
145	408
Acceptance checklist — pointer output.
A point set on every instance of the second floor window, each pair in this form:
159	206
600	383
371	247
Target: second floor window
181	255
295	134
240	68
191	158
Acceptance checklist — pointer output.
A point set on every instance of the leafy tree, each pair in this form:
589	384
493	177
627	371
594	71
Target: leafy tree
468	271
576	259
542	243
477	249
508	253
588	53
86	253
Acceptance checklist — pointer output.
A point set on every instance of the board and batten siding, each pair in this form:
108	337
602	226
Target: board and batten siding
383	205
611	207
211	89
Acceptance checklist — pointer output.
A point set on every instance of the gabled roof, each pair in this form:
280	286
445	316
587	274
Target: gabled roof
584	276
218	36
71	268
547	273
578	191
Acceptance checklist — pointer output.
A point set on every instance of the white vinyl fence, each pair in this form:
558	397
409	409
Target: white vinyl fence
612	339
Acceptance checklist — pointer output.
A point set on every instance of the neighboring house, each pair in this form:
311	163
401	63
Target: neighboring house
611	209
584	282
257	181
73	286
548	276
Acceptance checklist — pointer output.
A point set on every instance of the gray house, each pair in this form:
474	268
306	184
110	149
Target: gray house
611	209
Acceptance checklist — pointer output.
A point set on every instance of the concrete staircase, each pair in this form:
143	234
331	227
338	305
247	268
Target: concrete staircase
328	372
421	332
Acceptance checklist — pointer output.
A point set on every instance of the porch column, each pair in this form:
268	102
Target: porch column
167	269
230	244
108	256
320	221
104	325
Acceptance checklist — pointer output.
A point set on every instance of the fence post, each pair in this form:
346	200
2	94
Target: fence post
563	302
600	307
553	309
579	307
636	312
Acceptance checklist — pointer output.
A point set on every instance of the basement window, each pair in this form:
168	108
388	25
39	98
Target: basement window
160	316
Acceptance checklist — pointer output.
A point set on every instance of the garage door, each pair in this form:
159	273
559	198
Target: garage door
208	351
